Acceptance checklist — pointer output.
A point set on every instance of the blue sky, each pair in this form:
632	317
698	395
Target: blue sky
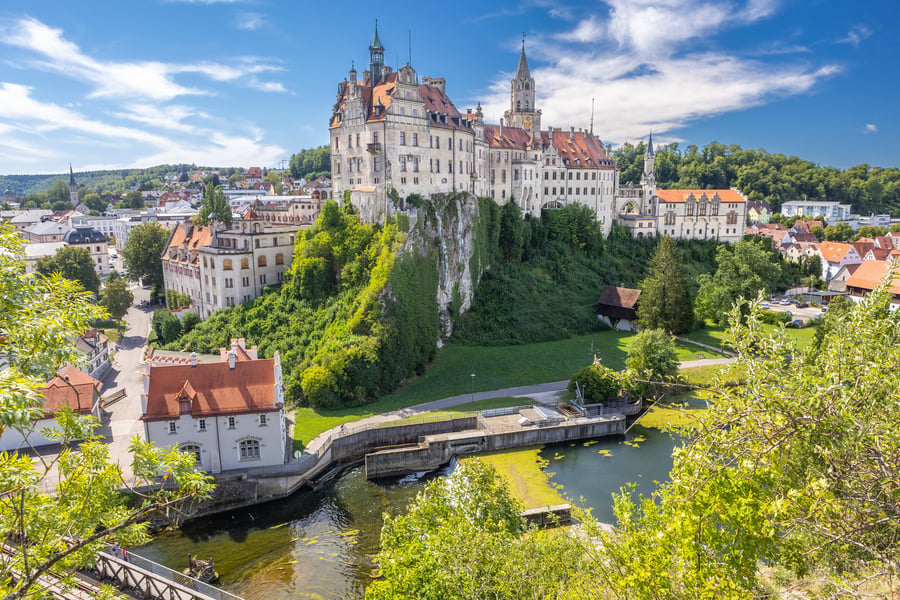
249	82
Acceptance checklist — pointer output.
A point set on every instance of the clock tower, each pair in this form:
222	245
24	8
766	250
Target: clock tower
522	112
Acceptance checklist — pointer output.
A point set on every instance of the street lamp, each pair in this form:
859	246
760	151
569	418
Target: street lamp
473	387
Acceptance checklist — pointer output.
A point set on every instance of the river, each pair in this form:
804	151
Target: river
319	544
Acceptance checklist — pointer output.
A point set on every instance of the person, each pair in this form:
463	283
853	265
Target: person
124	554
115	550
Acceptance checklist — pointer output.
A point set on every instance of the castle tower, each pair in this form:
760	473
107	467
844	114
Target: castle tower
376	57
522	112
648	177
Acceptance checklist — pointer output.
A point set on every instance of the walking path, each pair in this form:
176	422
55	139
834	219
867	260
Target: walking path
543	393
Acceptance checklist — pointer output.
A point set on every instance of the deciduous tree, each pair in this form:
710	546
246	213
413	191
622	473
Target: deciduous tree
142	255
72	263
116	298
215	206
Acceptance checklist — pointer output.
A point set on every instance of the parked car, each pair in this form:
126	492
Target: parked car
802	305
824	309
796	323
764	305
785	302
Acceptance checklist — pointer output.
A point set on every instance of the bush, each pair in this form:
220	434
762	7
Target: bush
775	318
598	383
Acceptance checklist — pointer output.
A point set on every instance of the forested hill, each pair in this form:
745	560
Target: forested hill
775	178
114	181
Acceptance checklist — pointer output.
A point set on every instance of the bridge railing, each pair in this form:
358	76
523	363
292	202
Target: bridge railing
154	580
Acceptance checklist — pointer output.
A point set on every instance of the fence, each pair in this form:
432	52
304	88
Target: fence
154	580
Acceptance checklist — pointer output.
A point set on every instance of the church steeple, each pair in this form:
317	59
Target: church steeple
648	177
522	112
376	57
73	187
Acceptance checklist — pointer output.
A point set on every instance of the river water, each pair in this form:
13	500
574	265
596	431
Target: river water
319	544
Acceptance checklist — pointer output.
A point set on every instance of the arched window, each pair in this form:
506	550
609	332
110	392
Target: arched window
226	264
518	105
245	264
261	261
191	449
279	259
249	450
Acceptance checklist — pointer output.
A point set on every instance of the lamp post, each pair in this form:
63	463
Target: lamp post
473	387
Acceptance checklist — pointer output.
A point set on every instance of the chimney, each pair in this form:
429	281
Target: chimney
571	133
234	345
193	359
231	359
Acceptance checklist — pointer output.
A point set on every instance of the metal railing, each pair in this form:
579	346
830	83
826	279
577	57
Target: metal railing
179	578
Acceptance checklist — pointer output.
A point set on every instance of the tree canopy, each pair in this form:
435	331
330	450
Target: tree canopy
665	300
311	163
62	529
142	255
215	206
72	263
116	298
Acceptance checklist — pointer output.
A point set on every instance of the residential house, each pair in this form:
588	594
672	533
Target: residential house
95	346
868	276
228	414
70	388
253	176
831	211
838	283
95	243
617	308
835	255
758	211
25	218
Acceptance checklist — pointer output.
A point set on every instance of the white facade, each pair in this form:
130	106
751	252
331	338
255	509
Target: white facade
832	211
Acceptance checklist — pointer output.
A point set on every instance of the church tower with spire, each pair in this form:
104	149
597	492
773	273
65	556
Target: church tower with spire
522	112
73	187
648	177
376	58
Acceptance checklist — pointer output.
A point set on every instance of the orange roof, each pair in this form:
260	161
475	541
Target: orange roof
834	251
199	236
212	388
863	246
73	388
870	274
679	196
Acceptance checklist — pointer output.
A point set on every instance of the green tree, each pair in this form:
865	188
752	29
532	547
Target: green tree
116	298
665	300
189	321
744	270
652	360
134	199
67	507
839	232
215	205
142	255
171	329
58	191
598	383
72	263
511	237
463	539
94	202
61	205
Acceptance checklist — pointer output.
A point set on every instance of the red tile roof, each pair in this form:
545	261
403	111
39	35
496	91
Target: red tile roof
681	196
198	237
619	296
869	275
71	387
213	389
834	251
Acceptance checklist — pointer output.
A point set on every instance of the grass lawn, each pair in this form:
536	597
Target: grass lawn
112	334
522	470
712	334
495	367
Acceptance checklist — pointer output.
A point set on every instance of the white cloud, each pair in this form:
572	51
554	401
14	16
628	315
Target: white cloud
855	36
653	65
250	21
870	128
152	80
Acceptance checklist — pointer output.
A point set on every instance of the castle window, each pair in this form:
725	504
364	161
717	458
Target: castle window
376	162
249	450
416	165
415	112
518	105
449	166
403	164
337	143
515	174
402	111
226	265
357	140
261	261
375	137
526	102
350	140
407	95
402	138
279	259
449	143
503	176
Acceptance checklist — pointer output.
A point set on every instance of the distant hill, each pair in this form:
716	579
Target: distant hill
119	180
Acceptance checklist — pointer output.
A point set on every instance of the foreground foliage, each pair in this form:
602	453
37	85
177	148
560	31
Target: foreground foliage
57	512
795	468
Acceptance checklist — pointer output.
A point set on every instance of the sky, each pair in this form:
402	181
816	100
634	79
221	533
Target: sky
242	83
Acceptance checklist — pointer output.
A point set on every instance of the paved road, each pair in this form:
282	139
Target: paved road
122	419
543	393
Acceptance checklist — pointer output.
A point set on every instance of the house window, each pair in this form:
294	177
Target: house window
201	425
191	449
231	423
249	450
172	426
263	420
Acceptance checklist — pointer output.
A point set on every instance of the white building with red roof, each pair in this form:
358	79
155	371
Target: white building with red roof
229	414
836	255
389	131
71	388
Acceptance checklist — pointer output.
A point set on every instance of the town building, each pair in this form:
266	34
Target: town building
70	388
45	231
95	243
228	414
219	267
869	275
835	255
759	211
831	211
95	346
617	308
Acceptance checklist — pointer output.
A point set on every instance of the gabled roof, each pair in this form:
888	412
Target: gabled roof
834	251
619	296
214	388
71	387
869	275
48	228
681	196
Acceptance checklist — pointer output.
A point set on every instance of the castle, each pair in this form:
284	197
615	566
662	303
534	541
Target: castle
393	135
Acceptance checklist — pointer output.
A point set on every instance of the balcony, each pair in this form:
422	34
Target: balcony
374	148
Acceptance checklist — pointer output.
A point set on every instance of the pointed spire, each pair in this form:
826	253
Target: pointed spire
522	72
649	151
71	175
376	43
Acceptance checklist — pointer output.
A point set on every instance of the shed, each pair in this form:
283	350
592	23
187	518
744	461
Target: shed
617	307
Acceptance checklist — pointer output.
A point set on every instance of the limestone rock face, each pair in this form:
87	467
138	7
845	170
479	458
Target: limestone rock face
446	226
